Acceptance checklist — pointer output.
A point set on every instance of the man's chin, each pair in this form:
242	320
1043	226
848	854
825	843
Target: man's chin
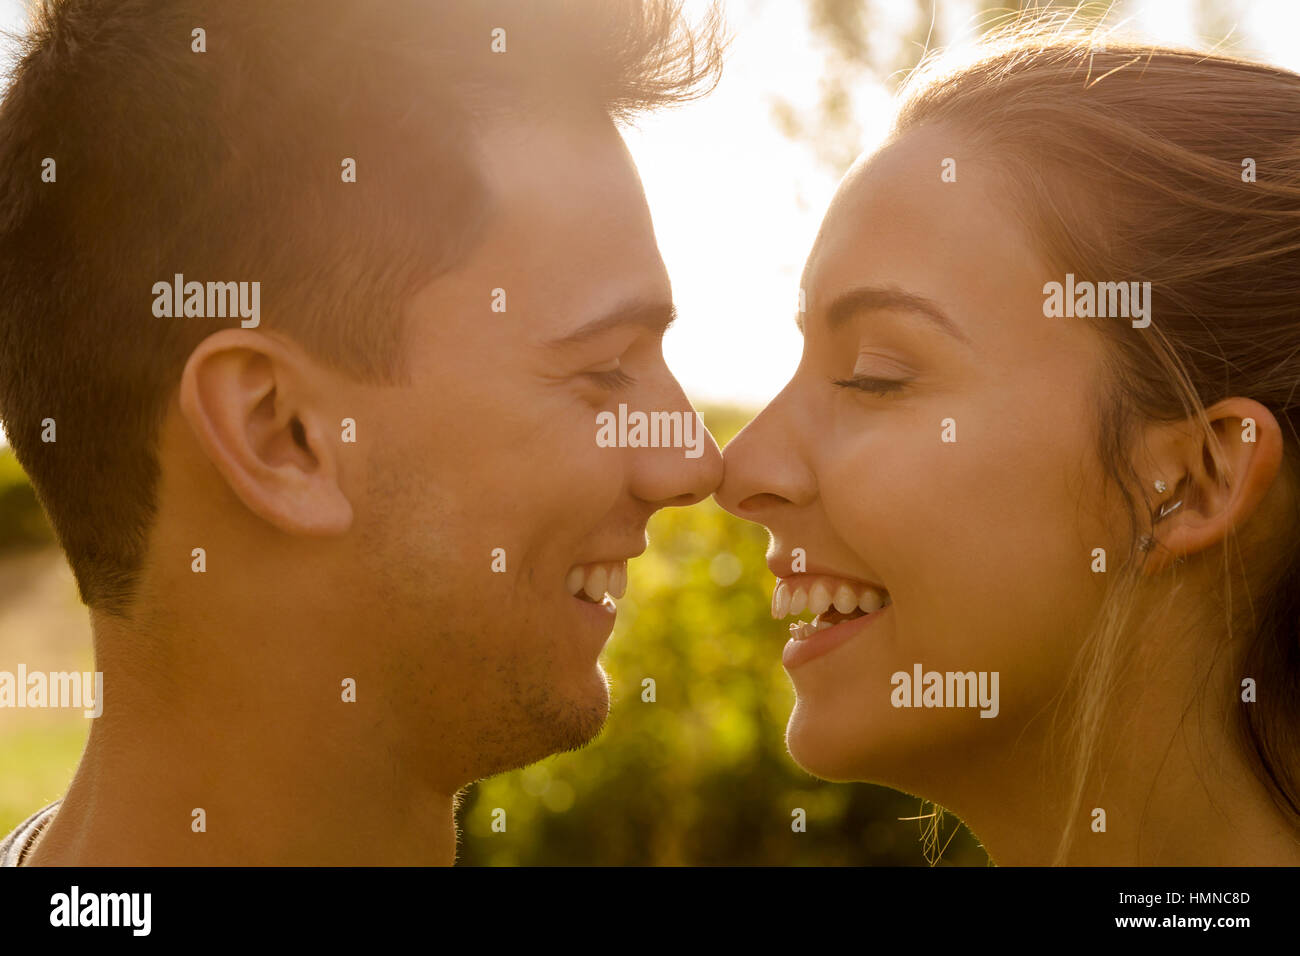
556	725
581	718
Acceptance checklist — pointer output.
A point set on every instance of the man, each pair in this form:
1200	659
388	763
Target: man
310	312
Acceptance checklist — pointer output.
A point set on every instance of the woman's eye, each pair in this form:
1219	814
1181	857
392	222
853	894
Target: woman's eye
875	386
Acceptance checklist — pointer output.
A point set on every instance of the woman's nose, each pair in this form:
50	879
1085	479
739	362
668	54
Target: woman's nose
765	466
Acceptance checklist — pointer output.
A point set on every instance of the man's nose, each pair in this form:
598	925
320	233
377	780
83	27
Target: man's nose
682	471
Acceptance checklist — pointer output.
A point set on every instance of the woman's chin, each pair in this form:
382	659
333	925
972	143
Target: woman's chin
825	750
845	747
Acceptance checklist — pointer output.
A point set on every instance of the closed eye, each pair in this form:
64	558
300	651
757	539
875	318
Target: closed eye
875	386
614	378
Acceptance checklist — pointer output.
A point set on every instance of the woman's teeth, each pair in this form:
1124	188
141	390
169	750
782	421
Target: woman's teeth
819	595
802	630
597	580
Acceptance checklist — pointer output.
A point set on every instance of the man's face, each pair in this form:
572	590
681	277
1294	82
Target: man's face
493	446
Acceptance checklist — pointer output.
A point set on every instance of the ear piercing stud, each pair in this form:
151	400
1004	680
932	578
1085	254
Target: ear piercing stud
1146	542
1167	509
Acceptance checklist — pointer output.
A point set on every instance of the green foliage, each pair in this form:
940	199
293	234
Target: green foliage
22	521
700	776
38	763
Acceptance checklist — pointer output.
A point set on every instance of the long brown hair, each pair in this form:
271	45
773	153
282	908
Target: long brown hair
1188	165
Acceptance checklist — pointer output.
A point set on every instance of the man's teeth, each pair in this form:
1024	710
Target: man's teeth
618	580
817	594
597	580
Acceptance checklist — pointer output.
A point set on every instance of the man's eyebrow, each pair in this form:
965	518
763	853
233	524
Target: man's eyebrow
655	316
878	299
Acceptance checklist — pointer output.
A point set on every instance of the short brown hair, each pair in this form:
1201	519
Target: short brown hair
226	164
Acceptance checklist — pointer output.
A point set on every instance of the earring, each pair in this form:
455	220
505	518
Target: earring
1161	487
1166	510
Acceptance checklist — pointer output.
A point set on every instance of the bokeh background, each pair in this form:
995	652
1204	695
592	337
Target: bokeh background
737	184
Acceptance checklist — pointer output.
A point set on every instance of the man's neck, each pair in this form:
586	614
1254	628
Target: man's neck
244	765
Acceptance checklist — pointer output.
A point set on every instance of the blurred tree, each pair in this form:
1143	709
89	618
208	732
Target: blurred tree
22	521
862	48
701	775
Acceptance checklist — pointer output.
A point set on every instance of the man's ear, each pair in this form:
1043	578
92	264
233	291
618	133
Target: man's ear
1219	494
255	407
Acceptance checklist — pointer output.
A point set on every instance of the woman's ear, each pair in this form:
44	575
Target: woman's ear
254	404
1216	486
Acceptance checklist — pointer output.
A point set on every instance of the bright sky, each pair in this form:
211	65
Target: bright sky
736	204
736	207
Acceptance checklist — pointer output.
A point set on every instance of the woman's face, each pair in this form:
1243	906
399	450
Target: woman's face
984	544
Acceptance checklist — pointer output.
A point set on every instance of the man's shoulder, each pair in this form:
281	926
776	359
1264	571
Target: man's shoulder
14	846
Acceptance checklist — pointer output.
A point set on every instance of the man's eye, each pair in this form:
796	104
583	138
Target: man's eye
875	386
610	378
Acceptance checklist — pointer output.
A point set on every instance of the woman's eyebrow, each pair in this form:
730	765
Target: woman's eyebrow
878	299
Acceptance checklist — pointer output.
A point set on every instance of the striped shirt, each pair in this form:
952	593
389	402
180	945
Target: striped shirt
14	847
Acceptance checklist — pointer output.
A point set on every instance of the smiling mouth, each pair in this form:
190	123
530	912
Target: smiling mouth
598	582
831	599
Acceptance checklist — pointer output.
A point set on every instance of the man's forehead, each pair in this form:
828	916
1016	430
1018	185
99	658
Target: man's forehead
571	164
570	229
568	241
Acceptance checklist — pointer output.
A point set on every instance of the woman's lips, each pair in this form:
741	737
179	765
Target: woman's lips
842	608
825	639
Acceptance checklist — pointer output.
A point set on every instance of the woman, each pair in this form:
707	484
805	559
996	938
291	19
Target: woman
1038	474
